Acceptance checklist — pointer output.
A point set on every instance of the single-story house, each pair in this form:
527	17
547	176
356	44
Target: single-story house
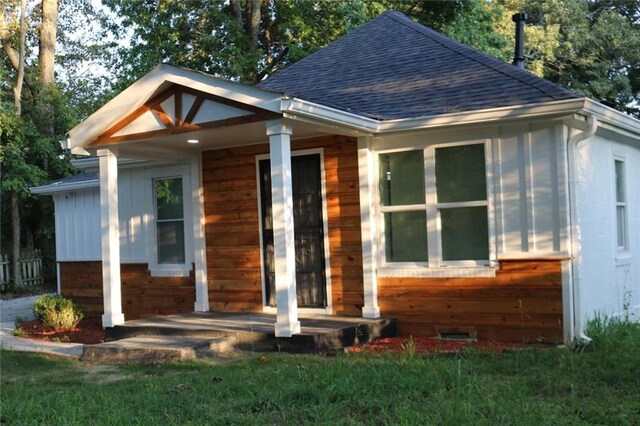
395	173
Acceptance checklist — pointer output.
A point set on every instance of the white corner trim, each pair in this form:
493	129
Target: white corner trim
366	177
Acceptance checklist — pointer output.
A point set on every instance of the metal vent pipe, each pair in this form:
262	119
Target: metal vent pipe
518	57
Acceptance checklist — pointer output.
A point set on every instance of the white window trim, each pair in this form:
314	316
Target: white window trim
623	252
325	229
178	269
436	266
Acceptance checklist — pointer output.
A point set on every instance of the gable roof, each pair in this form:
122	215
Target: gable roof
394	68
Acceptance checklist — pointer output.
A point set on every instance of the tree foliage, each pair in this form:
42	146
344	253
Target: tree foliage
589	46
240	39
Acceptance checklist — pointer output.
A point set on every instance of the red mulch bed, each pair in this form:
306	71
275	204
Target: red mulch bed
87	332
426	345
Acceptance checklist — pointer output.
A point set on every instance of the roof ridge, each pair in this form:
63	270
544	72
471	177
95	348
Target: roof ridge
483	59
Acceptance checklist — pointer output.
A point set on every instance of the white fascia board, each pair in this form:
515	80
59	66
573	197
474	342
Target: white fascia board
160	78
91	164
517	112
239	92
64	187
300	109
613	117
297	108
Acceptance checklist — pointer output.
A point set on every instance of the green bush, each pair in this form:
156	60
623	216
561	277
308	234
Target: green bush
57	312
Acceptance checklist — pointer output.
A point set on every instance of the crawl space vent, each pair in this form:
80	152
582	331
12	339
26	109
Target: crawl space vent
455	336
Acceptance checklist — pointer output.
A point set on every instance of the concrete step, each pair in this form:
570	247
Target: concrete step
156	349
320	335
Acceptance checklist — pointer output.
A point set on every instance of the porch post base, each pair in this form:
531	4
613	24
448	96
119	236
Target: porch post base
202	306
371	312
287	329
110	320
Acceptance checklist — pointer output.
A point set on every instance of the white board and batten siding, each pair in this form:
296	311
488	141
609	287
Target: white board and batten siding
609	276
530	192
77	218
77	225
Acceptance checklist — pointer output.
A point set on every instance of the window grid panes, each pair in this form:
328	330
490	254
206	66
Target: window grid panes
621	204
459	202
169	204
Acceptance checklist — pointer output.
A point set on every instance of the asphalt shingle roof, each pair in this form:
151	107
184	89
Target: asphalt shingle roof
393	68
82	177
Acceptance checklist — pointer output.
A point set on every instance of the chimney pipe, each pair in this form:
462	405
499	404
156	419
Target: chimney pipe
518	58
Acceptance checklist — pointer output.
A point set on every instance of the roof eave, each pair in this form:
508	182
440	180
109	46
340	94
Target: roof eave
64	187
300	109
613	117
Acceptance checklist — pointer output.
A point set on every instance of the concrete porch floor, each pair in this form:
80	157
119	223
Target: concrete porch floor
167	337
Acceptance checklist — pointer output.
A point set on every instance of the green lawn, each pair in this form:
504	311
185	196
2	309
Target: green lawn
597	385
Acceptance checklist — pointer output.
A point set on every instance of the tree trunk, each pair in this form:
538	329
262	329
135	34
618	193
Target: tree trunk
17	97
15	237
46	55
17	89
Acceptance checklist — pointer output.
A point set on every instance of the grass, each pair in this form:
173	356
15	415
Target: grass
599	384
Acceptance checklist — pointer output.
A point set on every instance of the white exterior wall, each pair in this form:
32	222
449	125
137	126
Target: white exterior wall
530	190
608	279
77	218
527	182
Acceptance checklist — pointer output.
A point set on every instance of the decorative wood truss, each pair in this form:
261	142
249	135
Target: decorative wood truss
180	109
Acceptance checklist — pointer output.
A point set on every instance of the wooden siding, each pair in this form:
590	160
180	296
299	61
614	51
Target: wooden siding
522	303
142	295
232	225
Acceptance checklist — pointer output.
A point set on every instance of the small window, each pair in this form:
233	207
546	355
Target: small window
621	205
169	220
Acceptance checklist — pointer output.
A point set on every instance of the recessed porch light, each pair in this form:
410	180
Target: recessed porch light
192	141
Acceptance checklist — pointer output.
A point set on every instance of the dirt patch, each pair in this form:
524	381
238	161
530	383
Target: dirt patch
88	332
424	345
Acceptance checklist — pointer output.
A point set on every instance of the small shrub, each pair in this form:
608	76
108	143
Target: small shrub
57	312
19	332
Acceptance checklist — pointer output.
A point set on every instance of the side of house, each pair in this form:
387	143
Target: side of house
607	209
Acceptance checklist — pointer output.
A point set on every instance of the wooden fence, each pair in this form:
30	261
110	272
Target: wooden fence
30	271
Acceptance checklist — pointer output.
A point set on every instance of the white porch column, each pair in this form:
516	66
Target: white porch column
200	248
110	228
366	174
287	322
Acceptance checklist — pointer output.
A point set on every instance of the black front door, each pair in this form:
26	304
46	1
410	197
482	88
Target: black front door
308	231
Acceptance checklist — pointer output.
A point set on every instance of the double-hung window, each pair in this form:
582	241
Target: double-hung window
169	206
433	203
621	205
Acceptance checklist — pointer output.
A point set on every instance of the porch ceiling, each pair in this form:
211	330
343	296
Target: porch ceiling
176	145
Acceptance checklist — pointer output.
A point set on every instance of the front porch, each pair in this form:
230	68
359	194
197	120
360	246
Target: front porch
198	208
167	337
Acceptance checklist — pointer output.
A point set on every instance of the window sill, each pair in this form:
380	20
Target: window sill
623	259
446	272
172	271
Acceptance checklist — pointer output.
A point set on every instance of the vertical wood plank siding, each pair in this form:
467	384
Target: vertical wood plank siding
142	295
522	303
232	225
